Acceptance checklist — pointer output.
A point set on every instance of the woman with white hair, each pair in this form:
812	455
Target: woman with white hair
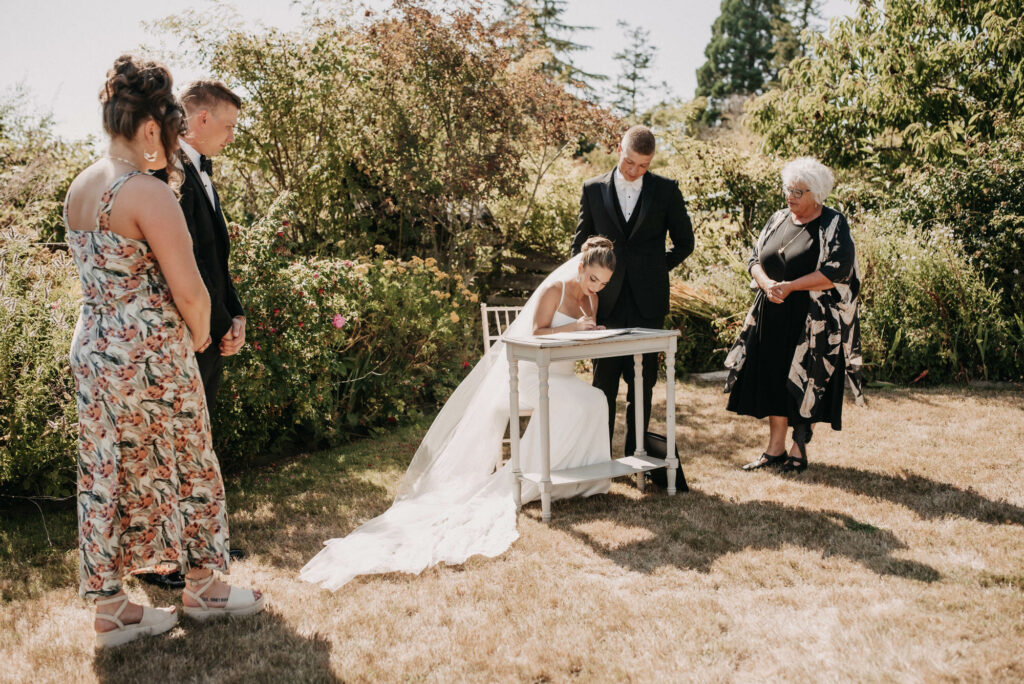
801	337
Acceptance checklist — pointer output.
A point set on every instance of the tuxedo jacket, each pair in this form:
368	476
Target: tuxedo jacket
642	259
211	247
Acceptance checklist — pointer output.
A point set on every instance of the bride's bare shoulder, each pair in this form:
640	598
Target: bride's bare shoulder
551	292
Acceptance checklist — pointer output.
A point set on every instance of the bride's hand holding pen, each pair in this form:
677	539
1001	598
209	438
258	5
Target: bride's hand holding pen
587	322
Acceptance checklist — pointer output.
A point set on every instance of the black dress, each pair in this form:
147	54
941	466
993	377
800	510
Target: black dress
761	390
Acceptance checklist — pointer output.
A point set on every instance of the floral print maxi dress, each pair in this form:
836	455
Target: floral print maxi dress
150	494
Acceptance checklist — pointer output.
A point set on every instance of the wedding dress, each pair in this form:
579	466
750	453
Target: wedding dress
451	504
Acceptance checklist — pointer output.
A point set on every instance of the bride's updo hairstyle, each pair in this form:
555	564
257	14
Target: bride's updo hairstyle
137	90
598	251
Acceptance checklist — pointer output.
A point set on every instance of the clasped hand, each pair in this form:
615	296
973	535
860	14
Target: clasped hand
234	339
777	292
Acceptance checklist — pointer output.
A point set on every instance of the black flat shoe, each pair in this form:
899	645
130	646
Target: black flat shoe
174	580
801	436
794	465
237	554
765	461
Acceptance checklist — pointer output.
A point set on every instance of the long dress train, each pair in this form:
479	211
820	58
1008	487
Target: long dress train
452	504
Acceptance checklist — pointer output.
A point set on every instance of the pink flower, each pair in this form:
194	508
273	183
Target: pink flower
315	276
339	321
347	263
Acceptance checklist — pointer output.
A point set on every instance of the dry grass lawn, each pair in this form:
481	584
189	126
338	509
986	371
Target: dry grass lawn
897	556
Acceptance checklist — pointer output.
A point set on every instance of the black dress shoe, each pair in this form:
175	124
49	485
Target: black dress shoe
237	554
174	580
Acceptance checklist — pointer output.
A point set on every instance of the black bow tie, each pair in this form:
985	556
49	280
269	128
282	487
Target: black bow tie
206	165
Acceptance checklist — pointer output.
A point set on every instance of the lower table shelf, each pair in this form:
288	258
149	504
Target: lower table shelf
618	467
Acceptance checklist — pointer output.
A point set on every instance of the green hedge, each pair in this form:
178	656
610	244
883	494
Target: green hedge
336	348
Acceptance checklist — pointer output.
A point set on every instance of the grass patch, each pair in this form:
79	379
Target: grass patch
895	556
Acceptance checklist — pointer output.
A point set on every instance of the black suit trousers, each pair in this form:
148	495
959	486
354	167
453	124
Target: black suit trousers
608	372
211	368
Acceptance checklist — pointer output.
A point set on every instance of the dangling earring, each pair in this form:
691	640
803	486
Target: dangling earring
149	156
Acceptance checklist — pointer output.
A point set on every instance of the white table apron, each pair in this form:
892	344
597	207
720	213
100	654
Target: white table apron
543	352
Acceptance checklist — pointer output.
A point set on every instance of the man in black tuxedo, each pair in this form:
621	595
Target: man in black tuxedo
212	112
635	209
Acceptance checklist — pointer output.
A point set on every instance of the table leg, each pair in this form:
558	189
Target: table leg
638	414
513	431
545	439
670	415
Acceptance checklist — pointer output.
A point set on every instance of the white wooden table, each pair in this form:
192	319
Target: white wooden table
543	352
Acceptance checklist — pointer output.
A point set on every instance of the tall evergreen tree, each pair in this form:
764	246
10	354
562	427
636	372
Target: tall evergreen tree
635	65
548	30
788	30
740	52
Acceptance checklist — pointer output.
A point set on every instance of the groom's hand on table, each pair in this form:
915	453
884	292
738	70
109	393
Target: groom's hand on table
234	340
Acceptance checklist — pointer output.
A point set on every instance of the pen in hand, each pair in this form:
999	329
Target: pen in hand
586	315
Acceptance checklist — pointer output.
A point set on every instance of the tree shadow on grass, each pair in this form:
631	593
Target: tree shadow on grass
928	498
282	515
260	648
694	530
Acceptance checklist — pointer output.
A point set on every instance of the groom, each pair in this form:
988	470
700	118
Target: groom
212	112
635	209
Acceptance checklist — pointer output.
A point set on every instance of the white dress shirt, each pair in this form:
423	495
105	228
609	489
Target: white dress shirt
194	158
628	192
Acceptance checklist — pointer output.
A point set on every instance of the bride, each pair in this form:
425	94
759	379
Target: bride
451	503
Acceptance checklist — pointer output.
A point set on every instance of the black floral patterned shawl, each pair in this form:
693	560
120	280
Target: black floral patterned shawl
832	332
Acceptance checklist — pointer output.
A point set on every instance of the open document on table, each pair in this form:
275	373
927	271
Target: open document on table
585	335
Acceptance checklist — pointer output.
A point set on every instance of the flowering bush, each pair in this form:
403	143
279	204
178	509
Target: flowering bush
337	347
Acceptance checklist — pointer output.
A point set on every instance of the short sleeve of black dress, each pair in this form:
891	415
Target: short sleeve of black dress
760	390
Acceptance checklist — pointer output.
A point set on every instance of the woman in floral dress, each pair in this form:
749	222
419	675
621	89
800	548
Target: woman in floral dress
150	494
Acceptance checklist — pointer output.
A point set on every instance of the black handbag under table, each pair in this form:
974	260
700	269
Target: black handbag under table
657	447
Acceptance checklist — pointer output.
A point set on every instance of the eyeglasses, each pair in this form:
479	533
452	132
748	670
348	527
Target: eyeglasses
797	193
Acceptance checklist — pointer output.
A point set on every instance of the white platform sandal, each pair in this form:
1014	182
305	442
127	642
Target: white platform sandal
154	621
241	602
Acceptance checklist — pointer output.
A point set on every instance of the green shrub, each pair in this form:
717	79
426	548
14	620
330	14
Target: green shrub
39	301
981	201
335	347
926	307
400	128
36	168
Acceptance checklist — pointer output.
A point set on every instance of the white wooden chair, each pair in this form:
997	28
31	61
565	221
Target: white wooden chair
495	320
498	319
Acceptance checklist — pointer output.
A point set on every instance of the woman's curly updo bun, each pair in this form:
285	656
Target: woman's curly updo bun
137	90
598	251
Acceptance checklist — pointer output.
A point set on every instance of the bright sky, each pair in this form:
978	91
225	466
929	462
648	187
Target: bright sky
61	49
